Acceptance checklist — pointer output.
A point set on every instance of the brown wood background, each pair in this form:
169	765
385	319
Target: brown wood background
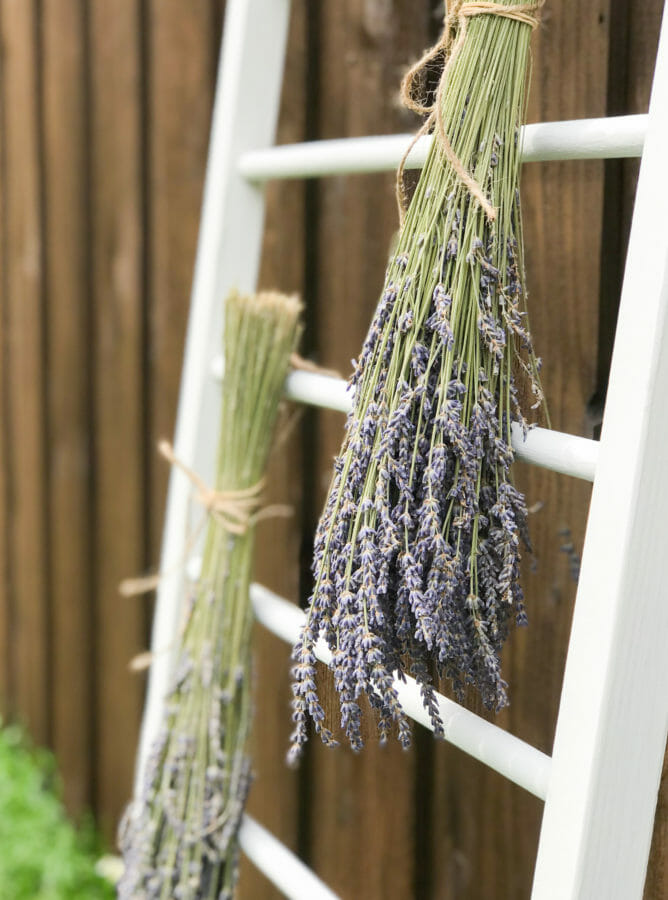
104	117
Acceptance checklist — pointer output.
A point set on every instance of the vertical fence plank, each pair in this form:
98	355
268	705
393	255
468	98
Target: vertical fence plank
6	691
25	371
68	393
274	799
564	204
485	830
362	815
119	426
656	884
181	57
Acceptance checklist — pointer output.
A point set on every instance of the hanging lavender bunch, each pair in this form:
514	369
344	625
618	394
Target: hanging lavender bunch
417	553
180	837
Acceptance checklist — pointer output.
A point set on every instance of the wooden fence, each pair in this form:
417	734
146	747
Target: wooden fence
104	116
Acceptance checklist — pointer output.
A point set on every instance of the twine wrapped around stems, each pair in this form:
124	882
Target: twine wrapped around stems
235	510
449	46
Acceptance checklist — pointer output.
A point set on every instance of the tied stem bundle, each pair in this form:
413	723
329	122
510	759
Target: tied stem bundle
180	837
417	552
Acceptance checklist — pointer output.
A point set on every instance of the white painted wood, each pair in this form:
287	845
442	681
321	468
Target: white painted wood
613	718
613	137
280	865
228	256
285	870
496	748
565	453
319	390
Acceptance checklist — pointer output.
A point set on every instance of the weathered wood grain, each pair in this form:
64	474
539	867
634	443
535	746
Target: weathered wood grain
25	370
656	884
274	799
68	393
6	684
117	221
179	99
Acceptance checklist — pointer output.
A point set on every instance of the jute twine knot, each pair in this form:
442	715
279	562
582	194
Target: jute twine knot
235	510
413	92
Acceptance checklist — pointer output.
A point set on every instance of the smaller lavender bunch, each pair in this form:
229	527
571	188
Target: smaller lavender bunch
179	838
417	553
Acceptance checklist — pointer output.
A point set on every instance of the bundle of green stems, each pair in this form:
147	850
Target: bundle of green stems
180	838
417	553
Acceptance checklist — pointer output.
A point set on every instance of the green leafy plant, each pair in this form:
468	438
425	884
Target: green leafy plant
43	856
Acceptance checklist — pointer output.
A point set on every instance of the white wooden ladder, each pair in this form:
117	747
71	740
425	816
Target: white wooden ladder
600	785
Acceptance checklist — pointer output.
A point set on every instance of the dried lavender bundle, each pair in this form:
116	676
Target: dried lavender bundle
417	552
180	837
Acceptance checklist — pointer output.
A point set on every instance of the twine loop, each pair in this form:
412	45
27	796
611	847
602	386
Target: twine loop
235	510
449	46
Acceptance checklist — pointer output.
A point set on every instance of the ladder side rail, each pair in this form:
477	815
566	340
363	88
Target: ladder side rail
613	718
228	255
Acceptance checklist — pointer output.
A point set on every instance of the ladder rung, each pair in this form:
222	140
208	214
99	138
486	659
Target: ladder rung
491	745
318	390
603	138
567	454
285	870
